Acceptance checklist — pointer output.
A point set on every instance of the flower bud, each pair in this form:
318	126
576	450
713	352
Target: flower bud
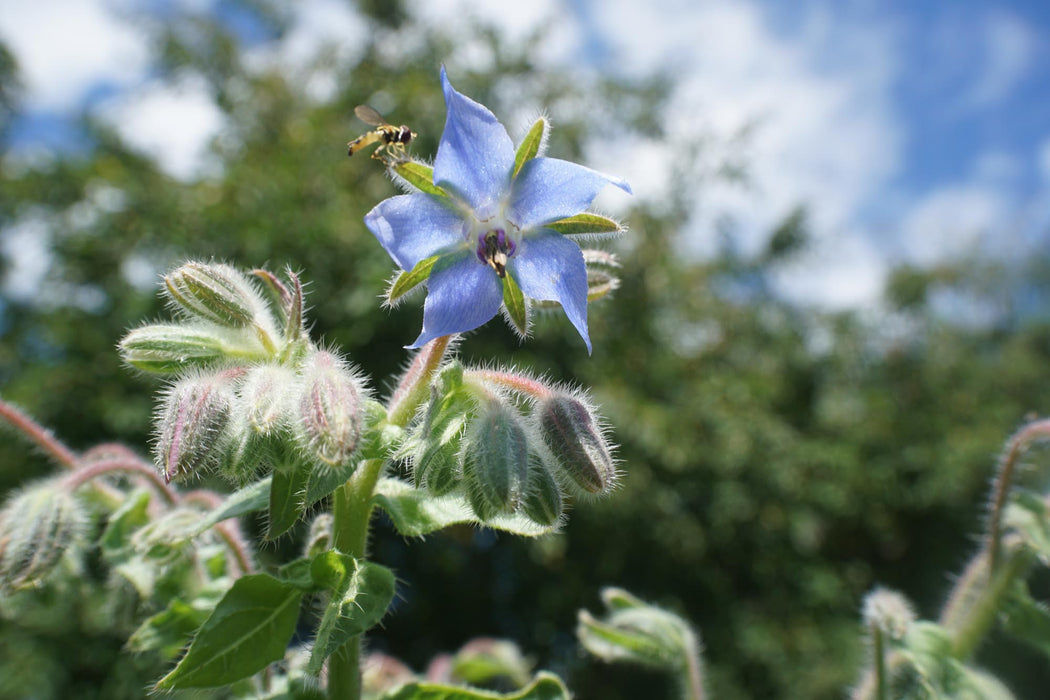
495	459
543	500
190	423
329	414
576	441
169	349
217	293
264	396
319	539
889	612
37	526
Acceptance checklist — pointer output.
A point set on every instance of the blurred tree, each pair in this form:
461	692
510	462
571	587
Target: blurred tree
777	462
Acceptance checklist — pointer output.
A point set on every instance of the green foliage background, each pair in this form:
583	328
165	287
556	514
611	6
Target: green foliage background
777	462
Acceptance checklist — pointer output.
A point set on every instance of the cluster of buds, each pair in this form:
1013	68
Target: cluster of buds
247	379
511	443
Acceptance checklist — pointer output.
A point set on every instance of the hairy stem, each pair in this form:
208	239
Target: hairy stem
1015	447
38	434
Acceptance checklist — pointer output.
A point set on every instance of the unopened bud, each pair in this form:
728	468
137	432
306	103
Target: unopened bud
571	432
170	349
889	612
191	421
637	632
37	526
218	293
330	418
319	538
495	459
543	500
264	394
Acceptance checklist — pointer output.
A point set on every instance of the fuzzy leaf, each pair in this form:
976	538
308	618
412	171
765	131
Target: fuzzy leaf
254	496
415	512
249	629
546	686
361	594
514	302
287	488
407	281
585	223
419	176
530	145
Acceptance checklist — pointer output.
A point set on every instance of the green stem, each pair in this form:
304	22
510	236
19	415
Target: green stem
983	596
352	506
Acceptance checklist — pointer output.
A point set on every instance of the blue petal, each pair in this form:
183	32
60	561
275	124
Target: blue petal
476	156
464	294
548	189
413	227
549	266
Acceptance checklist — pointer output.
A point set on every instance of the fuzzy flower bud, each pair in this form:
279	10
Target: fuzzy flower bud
217	293
330	414
889	612
264	395
190	423
495	459
576	441
170	349
37	526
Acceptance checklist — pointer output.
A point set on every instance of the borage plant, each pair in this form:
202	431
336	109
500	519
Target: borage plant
292	424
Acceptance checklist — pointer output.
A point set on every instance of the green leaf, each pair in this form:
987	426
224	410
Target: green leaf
585	223
287	489
415	512
249	629
1027	619
530	145
407	281
254	496
514	302
116	539
362	592
420	176
546	686
168	631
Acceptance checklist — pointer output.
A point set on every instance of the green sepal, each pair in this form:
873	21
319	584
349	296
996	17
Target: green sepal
249	629
420	176
361	593
530	145
514	303
415	512
585	223
546	686
407	281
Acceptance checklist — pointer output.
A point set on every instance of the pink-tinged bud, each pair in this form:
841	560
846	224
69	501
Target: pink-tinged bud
577	442
191	421
330	408
217	293
265	395
495	459
37	526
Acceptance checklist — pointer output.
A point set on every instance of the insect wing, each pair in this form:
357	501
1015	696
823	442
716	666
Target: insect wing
369	115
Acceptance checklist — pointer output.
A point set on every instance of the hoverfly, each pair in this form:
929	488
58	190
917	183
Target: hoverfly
392	139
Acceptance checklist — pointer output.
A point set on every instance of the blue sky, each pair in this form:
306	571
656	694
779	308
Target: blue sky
913	131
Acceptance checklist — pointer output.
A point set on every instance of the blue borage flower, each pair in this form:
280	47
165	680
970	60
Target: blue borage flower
487	228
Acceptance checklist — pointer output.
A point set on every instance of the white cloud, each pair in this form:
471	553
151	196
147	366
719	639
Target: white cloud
172	122
1009	52
65	48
